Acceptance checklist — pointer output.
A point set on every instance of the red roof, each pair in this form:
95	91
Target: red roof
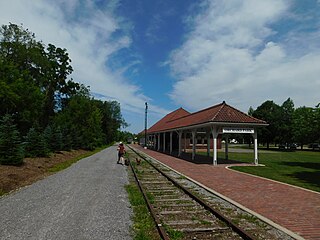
161	124
218	113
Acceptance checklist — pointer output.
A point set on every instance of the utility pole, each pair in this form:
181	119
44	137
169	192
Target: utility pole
145	126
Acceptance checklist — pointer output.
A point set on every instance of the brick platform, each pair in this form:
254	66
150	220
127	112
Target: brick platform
293	208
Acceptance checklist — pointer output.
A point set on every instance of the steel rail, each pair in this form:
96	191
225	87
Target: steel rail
244	234
159	226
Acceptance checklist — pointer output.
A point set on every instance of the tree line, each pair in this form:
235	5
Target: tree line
43	110
288	124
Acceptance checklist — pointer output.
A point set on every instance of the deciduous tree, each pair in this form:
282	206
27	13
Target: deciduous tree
270	112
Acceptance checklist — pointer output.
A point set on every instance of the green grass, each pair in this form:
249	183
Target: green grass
297	168
68	163
2	192
143	224
150	197
173	234
182	177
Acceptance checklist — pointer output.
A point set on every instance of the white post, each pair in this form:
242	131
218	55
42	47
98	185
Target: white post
180	136
170	143
208	144
226	148
255	136
164	142
194	144
214	135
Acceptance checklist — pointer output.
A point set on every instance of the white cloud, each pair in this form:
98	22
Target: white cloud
228	55
87	32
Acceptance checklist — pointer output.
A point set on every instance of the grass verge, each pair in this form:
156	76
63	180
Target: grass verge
68	163
299	168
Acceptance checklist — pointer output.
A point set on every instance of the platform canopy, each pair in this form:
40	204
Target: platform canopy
218	119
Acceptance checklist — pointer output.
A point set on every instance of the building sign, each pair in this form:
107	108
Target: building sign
237	130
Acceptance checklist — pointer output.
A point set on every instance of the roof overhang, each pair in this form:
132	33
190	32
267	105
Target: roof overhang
213	124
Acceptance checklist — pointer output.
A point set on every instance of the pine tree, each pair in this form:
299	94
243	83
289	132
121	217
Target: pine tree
48	135
11	151
35	144
56	139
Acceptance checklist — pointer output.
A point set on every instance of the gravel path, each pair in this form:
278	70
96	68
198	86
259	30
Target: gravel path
85	201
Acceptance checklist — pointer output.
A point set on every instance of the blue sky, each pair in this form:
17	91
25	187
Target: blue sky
183	53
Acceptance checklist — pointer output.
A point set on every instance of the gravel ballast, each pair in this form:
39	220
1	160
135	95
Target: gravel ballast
85	201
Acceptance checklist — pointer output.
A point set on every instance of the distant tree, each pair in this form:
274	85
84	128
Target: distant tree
83	120
285	121
112	119
271	113
11	151
250	111
302	125
124	136
317	123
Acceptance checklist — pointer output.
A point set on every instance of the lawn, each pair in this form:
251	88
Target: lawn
297	168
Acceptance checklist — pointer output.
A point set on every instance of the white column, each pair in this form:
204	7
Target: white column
180	136
214	136
255	136
226	148
208	144
194	143
170	143
164	142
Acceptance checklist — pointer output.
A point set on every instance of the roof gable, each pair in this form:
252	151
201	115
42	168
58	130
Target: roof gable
161	124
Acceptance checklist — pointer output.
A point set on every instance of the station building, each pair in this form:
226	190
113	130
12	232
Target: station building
180	130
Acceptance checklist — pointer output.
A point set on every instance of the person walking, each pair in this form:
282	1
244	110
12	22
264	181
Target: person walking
121	151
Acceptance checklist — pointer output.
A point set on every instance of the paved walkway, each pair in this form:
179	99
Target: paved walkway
293	208
85	201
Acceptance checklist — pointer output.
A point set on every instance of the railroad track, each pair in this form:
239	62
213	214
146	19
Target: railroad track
183	210
178	212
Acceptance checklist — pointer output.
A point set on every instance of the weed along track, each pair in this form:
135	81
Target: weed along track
183	210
